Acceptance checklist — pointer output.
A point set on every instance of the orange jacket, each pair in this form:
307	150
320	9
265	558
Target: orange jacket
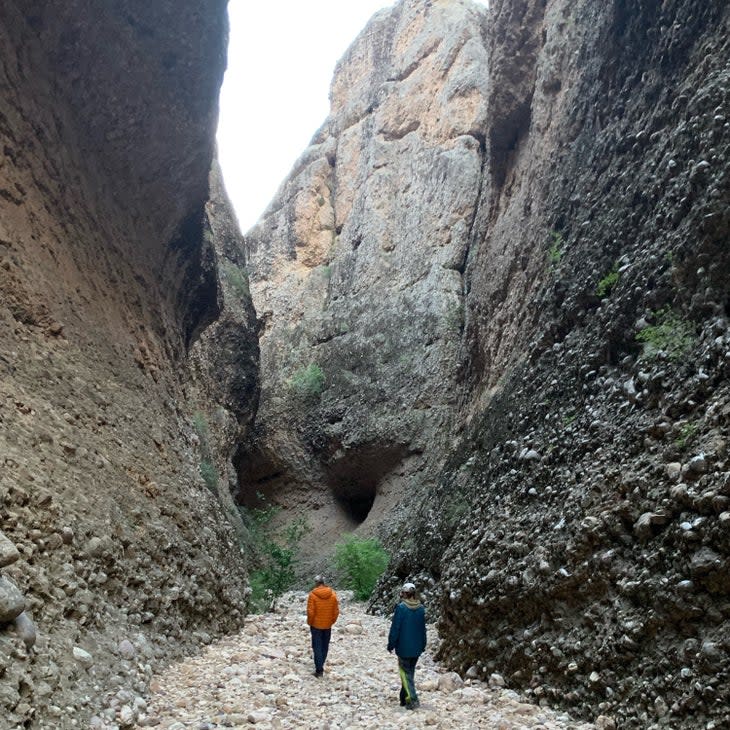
322	608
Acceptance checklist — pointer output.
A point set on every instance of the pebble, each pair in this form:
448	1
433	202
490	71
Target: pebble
8	552
83	657
12	602
263	678
25	628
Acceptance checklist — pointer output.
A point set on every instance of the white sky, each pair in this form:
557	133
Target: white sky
281	57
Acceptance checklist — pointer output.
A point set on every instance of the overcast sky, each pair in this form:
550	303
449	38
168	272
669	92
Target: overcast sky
281	57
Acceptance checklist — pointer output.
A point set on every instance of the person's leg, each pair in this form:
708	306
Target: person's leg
317	650
407	668
326	634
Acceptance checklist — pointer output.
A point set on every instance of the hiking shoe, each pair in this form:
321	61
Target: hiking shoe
413	705
318	674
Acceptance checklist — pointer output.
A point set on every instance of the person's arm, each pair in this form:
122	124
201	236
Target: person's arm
336	608
394	628
310	609
424	630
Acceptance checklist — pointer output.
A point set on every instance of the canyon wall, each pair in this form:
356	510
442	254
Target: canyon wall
494	299
492	304
356	274
117	550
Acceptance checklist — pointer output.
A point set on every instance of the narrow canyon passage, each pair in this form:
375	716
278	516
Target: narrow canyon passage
263	677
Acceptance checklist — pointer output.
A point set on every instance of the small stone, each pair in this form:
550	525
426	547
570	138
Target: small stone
470	696
127	716
54	542
697	464
673	470
604	722
25	628
496	680
257	716
8	552
83	657
126	649
12	601
704	561
450	682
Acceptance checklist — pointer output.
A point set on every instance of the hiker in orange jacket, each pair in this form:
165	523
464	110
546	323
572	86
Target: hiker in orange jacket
322	612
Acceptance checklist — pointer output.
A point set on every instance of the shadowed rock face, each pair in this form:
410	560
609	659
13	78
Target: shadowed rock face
356	271
121	555
577	541
556	172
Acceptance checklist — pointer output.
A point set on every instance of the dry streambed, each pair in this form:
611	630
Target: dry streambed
262	677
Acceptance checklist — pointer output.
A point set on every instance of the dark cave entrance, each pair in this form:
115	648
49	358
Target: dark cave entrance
355	500
354	475
261	477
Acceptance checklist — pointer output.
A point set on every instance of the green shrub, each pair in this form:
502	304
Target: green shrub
671	335
210	476
308	381
275	556
200	425
363	562
237	279
605	285
686	432
556	248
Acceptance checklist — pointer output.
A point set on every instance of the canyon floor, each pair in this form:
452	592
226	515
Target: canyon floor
263	677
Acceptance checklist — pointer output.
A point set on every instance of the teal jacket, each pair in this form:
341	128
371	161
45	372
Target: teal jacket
408	629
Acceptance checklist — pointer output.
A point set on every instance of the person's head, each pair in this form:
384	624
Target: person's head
408	590
319	580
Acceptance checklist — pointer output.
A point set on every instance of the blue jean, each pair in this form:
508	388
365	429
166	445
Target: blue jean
320	647
407	671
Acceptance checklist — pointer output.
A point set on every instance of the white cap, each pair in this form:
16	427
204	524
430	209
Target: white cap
408	588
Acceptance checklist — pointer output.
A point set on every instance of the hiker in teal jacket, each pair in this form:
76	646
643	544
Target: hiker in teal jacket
408	637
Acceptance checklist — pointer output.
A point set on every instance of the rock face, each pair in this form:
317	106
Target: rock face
507	249
577	539
108	276
356	272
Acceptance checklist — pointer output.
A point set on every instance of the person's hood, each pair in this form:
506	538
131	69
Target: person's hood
412	603
322	592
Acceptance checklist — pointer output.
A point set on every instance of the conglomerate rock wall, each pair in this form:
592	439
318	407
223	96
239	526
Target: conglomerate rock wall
507	249
578	542
112	545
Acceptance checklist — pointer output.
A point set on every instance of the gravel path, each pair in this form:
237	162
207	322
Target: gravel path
263	677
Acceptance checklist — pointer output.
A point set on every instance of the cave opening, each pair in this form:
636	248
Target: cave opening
355	474
260	478
355	500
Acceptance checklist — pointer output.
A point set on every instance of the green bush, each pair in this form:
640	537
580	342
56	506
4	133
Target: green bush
200	425
210	475
363	562
605	285
671	335
308	381
557	247
275	556
237	279
686	432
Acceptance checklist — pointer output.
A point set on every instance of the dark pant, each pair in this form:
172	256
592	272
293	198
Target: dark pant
407	670
320	647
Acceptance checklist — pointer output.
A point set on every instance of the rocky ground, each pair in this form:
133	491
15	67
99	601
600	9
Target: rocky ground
263	677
